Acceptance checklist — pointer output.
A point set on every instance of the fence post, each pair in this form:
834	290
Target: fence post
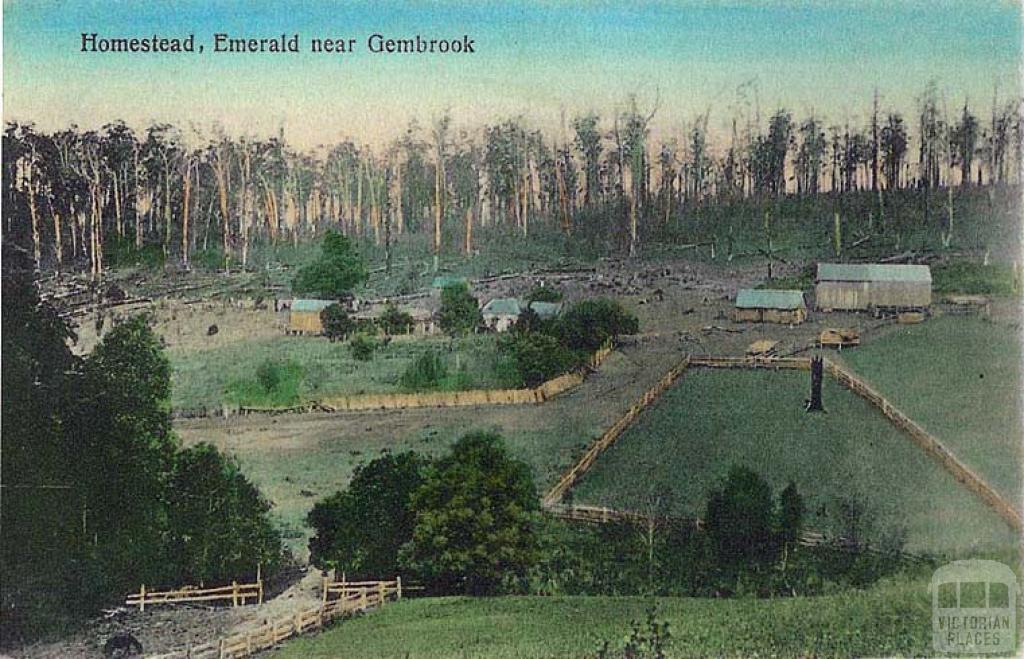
142	597
259	582
234	593
398	586
381	592
220	649
362	600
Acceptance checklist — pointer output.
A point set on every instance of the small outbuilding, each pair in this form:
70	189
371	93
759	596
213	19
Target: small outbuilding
423	322
770	306
837	337
304	316
501	313
864	286
546	310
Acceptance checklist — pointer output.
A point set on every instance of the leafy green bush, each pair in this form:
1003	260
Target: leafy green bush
362	347
338	270
336	322
973	279
269	375
538	357
427	372
588	324
544	294
211	258
460	311
122	252
276	383
395	321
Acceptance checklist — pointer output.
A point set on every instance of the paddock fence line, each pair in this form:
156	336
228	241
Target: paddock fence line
778	363
929	443
340	600
609	436
239	594
808	538
473	397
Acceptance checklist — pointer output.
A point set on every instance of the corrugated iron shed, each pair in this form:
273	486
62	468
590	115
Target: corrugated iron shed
502	306
311	306
750	298
546	309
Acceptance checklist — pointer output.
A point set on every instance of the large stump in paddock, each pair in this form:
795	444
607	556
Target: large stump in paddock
817	373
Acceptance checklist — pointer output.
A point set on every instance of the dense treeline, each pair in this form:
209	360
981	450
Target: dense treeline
97	495
98	198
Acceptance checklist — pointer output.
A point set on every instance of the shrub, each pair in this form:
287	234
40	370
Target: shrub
336	322
269	374
588	324
544	294
538	357
362	347
460	312
395	321
426	372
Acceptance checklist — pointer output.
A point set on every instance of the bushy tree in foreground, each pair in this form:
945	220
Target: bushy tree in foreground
588	324
336	322
538	357
360	530
460	311
474	519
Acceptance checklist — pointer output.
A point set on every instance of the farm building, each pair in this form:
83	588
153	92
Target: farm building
444	281
873	286
768	306
546	310
501	313
304	316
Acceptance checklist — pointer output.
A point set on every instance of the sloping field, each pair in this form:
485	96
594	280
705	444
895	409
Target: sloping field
960	379
888	619
710	420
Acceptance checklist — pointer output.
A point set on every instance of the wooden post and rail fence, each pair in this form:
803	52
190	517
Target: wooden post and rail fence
930	444
340	599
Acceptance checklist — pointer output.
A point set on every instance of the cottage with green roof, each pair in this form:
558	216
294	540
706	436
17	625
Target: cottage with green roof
768	306
501	313
863	286
304	316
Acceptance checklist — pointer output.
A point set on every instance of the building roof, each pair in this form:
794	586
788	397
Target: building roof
377	311
503	306
546	309
444	281
874	272
311	305
749	298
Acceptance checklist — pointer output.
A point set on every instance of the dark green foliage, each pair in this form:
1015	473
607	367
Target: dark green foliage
588	324
360	530
538	357
395	321
790	515
974	279
121	252
739	518
475	514
338	270
336	322
544	294
362	347
427	372
269	375
218	520
460	311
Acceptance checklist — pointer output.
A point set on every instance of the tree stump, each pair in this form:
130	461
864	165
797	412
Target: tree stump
817	372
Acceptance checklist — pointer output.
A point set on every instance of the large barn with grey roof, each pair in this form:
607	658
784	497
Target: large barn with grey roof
864	286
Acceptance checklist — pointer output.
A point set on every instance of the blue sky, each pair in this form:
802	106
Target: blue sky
540	59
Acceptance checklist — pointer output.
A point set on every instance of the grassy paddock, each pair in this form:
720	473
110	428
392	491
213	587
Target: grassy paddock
960	379
891	618
317	368
685	443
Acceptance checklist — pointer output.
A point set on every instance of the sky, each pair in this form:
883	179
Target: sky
544	60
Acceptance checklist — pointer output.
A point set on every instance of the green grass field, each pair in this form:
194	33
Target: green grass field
208	378
685	443
960	379
891	618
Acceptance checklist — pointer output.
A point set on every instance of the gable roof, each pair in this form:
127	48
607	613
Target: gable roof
749	298
504	306
546	309
311	305
874	272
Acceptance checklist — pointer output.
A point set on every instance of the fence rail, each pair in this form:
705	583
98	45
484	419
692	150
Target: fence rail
608	438
352	597
239	594
931	445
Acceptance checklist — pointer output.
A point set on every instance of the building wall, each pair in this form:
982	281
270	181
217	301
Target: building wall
862	295
500	322
305	321
787	317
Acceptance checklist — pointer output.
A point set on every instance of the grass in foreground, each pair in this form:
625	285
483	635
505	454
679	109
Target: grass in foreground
891	618
960	379
685	443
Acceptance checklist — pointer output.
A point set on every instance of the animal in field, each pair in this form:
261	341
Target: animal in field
122	645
